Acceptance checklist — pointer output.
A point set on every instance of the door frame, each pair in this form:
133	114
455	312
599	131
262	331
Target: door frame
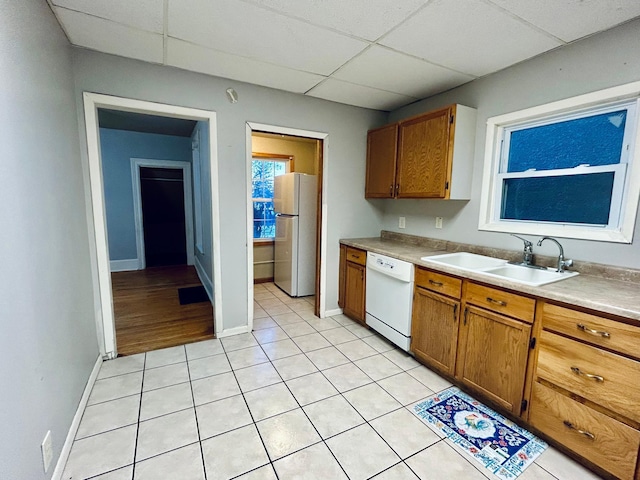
187	181
98	242
321	234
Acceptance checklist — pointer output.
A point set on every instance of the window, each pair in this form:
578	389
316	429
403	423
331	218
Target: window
264	169
564	169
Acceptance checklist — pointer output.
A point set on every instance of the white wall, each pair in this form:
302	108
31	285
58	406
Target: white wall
47	331
605	60
349	214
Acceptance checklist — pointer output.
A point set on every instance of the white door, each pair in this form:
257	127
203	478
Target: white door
285	271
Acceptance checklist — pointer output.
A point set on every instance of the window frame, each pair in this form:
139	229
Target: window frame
265	157
626	190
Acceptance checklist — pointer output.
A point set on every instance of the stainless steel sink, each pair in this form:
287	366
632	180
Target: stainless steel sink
499	268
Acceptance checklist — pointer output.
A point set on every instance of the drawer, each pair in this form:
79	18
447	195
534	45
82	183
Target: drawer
602	440
603	377
499	301
617	336
356	256
439	283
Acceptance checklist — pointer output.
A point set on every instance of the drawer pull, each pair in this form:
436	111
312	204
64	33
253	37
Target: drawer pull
571	426
586	329
577	371
355	256
497	302
437	284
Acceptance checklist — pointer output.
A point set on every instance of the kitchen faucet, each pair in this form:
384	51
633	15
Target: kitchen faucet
562	263
527	253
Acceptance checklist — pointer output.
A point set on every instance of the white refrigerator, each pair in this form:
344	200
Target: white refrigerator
295	204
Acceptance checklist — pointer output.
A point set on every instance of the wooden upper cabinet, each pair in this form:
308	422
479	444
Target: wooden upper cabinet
382	145
432	158
423	155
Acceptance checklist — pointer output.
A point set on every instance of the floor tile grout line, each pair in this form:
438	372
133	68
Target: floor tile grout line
135	446
255	425
310	422
195	413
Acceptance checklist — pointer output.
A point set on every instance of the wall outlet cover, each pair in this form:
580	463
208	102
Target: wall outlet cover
438	222
402	222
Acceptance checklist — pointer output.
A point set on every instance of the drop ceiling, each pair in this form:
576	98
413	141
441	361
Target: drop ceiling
379	54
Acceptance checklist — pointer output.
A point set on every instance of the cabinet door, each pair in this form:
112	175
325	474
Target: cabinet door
423	156
434	330
493	356
354	291
382	145
342	274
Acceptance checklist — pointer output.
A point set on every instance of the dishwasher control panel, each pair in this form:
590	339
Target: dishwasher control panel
390	266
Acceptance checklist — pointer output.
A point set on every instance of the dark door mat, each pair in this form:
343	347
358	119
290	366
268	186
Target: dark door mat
189	295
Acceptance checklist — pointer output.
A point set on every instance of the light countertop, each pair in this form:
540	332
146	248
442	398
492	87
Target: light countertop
597	293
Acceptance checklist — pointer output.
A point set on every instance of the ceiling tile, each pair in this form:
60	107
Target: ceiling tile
572	19
359	95
368	19
204	60
396	72
250	31
110	37
143	14
469	36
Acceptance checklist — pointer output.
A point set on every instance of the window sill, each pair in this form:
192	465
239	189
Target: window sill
263	242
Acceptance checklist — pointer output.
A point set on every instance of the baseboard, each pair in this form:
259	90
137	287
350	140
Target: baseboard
124	265
233	331
262	280
204	278
75	423
331	313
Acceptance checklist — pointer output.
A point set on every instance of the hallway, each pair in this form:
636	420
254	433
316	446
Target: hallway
148	314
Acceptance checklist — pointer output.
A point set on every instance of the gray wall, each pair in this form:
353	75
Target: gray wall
48	340
117	147
349	215
601	61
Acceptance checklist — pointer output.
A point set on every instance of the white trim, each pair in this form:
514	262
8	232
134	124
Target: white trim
323	210
187	180
333	313
233	331
489	198
102	278
124	265
75	423
204	279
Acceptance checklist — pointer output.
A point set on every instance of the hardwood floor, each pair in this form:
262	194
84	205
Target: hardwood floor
148	314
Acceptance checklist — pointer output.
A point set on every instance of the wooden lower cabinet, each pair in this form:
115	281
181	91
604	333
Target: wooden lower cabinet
434	330
354	295
492	357
597	437
342	275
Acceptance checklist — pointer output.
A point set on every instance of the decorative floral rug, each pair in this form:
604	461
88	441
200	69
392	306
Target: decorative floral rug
500	445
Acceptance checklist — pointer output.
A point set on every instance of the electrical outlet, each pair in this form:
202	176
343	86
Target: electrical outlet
438	222
401	222
47	451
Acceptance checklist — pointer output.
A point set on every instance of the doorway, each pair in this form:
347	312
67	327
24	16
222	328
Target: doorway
319	143
102	278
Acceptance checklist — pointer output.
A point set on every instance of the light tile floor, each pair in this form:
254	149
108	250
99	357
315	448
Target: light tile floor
298	398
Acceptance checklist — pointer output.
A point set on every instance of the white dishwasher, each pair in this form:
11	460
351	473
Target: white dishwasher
389	296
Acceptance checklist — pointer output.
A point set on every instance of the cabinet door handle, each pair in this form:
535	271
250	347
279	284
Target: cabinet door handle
586	329
597	378
397	188
466	310
571	426
455	310
497	302
437	284
391	190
